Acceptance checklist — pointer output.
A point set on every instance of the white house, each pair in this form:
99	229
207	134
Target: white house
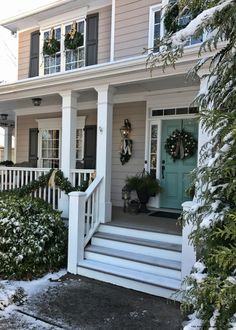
68	108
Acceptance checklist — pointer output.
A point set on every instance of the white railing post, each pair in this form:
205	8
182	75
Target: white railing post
188	252
76	230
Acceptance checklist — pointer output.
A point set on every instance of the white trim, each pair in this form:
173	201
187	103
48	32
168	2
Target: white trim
113	18
152	11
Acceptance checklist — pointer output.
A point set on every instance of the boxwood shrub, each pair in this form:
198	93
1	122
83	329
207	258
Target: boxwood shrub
33	238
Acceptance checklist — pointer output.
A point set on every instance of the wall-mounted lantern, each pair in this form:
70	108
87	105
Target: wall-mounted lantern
36	101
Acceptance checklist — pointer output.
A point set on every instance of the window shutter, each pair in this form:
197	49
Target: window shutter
33	146
34	54
90	146
91	39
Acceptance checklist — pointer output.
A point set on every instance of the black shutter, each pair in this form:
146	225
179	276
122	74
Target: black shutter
90	142
91	39
34	54
33	146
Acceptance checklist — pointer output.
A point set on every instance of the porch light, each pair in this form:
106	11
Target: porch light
126	129
36	101
3	116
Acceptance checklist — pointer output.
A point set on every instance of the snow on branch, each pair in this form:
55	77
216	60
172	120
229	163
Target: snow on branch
181	36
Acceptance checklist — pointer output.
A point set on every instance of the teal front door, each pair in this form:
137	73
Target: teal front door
174	177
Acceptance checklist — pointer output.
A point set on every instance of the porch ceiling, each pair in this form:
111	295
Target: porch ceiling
133	91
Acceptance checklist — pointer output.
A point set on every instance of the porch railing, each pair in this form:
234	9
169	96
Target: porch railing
17	177
84	219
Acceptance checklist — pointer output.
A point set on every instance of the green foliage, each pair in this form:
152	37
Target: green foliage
6	163
51	46
32	238
143	182
59	180
211	288
73	41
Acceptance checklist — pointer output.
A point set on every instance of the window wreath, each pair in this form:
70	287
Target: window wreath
51	45
73	39
180	145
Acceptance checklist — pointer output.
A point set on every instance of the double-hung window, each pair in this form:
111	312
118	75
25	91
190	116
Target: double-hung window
75	58
155	27
52	63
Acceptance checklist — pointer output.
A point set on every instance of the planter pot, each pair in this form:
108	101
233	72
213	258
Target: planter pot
143	198
134	207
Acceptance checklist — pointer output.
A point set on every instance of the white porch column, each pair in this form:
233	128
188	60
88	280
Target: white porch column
68	140
104	149
7	143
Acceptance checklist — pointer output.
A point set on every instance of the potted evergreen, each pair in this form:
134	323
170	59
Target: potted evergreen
145	186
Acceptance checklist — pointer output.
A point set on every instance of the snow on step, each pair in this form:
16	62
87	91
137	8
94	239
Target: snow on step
140	233
143	277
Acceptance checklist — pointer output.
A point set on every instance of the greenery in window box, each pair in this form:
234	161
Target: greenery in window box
145	186
73	39
51	45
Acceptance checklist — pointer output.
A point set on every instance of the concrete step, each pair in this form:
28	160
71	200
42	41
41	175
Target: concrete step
138	280
140	233
146	263
159	249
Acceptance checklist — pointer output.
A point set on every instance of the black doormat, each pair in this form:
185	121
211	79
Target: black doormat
163	214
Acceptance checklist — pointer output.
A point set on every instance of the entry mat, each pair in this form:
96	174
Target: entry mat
163	214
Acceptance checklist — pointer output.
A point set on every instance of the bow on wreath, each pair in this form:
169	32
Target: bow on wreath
126	150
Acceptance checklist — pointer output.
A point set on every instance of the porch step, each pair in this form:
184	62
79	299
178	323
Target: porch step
135	261
145	282
153	248
141	233
141	260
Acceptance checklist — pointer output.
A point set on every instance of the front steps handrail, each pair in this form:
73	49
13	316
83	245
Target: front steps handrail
84	219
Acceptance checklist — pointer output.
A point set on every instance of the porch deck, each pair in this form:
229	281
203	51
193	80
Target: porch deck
144	221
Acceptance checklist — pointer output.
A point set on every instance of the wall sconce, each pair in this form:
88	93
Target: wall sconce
126	142
36	101
3	116
126	129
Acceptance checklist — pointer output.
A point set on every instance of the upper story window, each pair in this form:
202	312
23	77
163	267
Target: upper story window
52	63
68	46
75	58
159	24
155	27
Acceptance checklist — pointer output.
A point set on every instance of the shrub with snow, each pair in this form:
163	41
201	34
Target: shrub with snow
32	237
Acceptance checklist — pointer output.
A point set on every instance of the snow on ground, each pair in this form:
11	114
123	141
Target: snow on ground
8	289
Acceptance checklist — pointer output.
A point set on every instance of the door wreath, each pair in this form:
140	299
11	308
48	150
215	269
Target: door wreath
180	145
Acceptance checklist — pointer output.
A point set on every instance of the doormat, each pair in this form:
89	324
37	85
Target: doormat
163	214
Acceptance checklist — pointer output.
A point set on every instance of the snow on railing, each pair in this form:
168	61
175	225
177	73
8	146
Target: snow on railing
84	219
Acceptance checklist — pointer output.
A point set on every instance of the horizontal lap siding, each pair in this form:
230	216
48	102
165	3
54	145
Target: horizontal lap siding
104	34
131	27
24	54
136	113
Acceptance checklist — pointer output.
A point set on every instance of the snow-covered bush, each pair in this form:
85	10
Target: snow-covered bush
32	237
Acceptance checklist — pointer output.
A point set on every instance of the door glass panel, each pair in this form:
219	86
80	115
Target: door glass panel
50	148
153	150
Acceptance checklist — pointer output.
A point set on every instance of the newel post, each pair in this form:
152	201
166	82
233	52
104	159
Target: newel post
188	252
76	230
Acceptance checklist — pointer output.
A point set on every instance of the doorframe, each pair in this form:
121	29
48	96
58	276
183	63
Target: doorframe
154	202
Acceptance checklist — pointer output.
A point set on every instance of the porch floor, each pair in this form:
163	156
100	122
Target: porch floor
143	221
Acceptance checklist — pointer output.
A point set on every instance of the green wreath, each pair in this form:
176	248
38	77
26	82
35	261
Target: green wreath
180	145
51	46
73	40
